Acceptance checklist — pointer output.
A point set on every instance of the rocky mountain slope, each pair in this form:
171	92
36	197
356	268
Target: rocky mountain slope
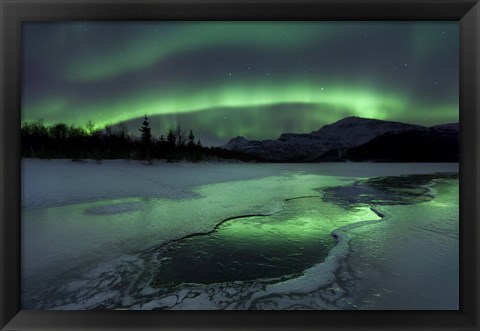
357	139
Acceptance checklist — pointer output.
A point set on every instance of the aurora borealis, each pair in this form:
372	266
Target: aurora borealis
224	79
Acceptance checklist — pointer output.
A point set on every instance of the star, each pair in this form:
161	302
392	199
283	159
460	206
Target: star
189	57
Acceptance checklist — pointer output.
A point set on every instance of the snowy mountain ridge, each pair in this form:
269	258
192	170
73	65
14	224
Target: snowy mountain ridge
332	141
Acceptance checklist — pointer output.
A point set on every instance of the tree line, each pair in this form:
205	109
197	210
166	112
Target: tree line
62	141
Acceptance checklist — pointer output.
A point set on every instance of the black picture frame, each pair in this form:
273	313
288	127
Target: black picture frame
13	12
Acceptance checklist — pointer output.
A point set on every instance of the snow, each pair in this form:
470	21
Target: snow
411	261
48	183
116	208
101	217
346	133
362	129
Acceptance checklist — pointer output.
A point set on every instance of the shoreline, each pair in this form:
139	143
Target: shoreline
56	183
304	188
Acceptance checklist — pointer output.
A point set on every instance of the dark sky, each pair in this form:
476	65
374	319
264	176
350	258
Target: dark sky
253	79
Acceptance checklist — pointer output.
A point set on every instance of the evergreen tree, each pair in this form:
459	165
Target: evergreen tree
199	151
171	139
146	138
191	140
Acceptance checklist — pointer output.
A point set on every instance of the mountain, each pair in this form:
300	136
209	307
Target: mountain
357	139
436	144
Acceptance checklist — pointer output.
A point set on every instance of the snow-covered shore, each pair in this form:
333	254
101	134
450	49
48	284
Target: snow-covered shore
48	183
88	215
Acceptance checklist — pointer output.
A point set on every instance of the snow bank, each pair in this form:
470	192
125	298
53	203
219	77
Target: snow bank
48	183
116	208
76	215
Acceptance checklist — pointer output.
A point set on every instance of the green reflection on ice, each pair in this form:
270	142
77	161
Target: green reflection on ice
254	247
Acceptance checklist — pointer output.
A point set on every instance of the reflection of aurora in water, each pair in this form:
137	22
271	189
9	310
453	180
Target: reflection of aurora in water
258	246
243	258
286	242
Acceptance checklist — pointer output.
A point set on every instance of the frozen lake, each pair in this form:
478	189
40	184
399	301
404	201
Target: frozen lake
121	235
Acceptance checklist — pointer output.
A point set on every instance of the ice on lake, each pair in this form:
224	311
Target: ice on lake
238	236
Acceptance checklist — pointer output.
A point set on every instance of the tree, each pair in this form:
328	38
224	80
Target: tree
75	146
180	136
108	130
123	131
198	151
90	127
191	140
59	131
34	138
171	139
146	139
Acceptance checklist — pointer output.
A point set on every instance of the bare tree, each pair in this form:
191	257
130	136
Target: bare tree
180	136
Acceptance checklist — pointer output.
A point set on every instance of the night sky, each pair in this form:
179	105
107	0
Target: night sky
251	79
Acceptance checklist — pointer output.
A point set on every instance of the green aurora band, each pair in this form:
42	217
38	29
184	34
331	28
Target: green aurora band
365	103
107	71
195	35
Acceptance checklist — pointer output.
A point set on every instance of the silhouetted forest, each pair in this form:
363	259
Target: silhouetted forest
62	141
